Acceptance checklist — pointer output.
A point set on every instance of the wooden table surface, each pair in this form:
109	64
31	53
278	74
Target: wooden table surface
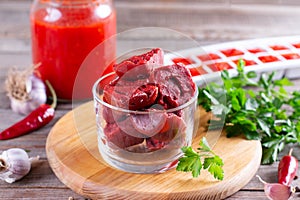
207	22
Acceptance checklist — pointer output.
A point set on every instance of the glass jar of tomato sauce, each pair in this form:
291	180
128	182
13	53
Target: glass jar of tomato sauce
64	34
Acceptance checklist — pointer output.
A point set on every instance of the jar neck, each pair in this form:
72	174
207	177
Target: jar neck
74	2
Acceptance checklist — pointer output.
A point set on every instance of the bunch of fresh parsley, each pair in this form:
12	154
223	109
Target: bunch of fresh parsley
261	110
257	108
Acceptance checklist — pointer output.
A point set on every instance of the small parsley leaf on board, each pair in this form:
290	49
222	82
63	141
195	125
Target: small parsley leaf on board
214	166
204	158
190	162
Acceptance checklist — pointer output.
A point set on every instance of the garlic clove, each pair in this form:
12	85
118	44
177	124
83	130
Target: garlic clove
38	94
20	107
28	85
14	164
277	191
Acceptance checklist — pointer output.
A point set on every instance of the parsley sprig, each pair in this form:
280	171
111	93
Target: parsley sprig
204	158
261	110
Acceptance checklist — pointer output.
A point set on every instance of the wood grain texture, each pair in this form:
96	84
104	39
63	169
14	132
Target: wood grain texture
73	155
38	194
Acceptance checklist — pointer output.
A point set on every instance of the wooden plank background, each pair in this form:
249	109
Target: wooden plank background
207	22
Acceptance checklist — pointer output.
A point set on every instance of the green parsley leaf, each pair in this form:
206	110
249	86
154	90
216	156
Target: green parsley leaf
214	166
193	161
190	162
264	126
283	82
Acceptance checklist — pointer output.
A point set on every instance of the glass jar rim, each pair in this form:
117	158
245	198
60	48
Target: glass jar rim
98	99
67	3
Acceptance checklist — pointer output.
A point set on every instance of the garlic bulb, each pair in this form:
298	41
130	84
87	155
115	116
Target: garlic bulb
14	164
25	91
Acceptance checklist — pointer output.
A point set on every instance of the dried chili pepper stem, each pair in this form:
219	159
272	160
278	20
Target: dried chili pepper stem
53	94
35	120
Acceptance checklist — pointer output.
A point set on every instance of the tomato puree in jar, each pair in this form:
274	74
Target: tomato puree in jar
64	33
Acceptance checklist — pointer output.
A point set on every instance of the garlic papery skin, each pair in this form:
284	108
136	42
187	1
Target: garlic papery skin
14	164
25	90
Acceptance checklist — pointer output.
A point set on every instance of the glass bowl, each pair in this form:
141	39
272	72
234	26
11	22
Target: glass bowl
148	141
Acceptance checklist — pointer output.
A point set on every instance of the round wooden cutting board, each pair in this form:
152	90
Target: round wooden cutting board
73	155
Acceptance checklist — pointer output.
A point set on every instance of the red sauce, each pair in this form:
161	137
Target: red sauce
267	59
278	47
232	52
207	57
197	71
291	56
297	45
184	61
220	66
256	50
247	62
61	40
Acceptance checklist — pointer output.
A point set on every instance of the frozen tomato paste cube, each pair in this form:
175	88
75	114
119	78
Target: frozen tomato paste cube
247	62
176	85
149	124
291	56
153	144
256	50
297	45
116	136
196	71
278	47
108	115
210	56
174	125
219	66
124	92
267	59
184	61
139	66
143	97
127	127
232	52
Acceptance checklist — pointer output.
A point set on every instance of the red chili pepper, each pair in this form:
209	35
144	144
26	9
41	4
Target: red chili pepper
287	169
35	120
